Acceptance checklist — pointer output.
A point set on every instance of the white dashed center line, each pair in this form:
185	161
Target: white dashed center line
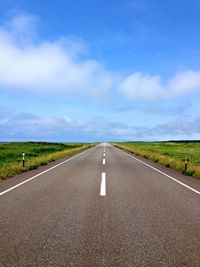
103	184
104	161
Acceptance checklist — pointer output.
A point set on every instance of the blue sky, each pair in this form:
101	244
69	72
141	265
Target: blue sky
113	70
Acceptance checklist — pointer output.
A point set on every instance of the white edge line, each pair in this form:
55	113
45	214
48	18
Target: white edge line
170	177
35	176
103	184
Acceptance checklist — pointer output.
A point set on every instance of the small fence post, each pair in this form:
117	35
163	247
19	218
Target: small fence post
23	158
186	162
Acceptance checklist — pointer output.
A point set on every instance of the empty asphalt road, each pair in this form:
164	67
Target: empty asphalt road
100	208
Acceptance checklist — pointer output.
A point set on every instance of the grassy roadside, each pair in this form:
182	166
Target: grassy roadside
169	154
37	154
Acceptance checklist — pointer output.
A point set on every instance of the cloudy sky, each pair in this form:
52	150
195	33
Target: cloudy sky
93	70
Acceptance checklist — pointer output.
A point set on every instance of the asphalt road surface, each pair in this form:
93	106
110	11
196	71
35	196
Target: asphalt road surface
100	208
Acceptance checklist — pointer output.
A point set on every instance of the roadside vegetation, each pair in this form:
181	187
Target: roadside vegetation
36	154
172	154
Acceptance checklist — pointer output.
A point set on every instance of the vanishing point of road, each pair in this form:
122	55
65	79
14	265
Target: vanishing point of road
102	207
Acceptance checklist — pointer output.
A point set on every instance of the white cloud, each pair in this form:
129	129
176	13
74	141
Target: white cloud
138	85
185	82
145	86
47	67
17	125
57	68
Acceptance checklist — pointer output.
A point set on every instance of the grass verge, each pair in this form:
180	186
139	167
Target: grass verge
169	154
37	154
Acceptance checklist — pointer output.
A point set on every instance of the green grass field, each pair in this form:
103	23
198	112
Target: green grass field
36	154
170	154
